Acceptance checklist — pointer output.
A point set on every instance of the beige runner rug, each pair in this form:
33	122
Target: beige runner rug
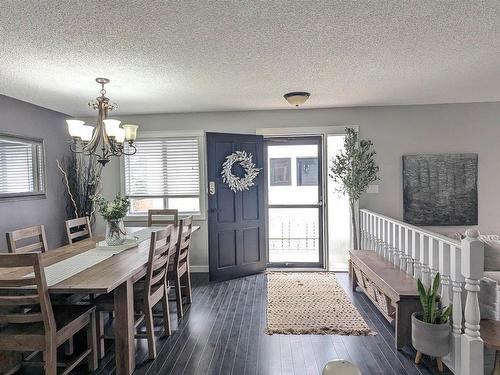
311	303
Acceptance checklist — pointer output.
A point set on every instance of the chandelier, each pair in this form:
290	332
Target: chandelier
108	137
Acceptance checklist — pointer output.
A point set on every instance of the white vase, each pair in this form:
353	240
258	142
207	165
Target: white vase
115	232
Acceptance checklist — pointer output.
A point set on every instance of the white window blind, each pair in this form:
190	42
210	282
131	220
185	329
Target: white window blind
21	166
163	168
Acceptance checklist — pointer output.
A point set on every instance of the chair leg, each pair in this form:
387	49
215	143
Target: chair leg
100	334
178	296
69	347
187	275
150	330
166	314
50	359
92	342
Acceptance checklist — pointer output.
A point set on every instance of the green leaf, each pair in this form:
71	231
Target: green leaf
446	314
423	299
435	283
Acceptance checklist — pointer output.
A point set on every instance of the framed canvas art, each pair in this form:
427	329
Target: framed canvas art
440	189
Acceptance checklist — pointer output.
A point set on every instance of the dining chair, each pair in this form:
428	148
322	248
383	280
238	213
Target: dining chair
31	323
179	272
18	235
149	290
157	217
78	229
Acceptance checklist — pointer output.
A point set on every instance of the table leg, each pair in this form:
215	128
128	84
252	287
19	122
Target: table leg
496	369
124	323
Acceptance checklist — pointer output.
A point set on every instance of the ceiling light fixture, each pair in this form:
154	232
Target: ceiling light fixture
297	98
108	137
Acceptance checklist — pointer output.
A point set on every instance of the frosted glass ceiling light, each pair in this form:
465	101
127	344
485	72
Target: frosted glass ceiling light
297	98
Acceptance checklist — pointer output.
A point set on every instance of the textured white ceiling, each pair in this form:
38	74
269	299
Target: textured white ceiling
182	56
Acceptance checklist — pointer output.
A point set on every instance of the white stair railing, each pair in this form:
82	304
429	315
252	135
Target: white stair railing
421	254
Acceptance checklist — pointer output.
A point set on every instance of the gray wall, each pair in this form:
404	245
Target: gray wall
395	131
21	118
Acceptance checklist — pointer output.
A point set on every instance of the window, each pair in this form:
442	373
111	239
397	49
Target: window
164	173
21	167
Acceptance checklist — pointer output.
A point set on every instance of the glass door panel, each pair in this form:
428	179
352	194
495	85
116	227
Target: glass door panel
295	207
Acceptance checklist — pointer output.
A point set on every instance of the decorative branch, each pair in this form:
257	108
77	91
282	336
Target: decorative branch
67	186
353	170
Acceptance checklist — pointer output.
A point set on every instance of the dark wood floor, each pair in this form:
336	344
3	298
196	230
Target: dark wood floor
223	333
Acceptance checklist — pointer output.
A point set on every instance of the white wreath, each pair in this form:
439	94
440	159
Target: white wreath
236	183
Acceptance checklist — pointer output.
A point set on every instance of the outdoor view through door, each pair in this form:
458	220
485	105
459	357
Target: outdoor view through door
295	207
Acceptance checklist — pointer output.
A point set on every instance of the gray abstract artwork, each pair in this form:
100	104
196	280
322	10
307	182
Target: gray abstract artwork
440	189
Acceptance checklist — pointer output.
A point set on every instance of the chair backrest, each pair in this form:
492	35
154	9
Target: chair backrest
15	236
163	217
156	274
26	299
78	229
183	242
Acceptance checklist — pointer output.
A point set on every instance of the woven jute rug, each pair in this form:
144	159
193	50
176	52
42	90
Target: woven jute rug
311	303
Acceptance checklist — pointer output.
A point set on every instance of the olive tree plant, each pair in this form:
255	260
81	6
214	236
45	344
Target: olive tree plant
353	170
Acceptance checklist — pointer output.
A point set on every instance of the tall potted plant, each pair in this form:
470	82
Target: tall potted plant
353	170
113	212
430	329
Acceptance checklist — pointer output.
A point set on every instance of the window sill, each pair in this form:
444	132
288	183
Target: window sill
144	218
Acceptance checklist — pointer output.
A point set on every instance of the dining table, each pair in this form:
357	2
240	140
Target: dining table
109	274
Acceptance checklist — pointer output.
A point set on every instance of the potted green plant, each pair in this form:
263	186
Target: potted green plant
353	170
113	212
430	329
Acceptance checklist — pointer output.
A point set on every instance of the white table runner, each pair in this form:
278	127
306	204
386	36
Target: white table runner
64	269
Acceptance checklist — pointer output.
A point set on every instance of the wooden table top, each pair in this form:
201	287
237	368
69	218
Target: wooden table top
393	278
102	277
490	333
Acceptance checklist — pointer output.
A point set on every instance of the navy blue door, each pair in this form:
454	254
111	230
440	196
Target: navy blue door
236	220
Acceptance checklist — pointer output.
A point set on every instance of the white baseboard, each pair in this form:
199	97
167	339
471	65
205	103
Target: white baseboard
198	269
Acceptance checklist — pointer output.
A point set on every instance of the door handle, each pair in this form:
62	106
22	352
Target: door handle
211	210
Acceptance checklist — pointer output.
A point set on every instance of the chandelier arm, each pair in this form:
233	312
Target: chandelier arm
130	153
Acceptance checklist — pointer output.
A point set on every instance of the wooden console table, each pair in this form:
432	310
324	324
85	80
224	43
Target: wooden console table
391	290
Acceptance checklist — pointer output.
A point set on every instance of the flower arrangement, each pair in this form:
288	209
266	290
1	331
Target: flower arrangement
112	210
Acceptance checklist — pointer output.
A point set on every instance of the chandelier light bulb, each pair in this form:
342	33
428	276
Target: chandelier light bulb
112	127
120	135
130	131
75	127
86	133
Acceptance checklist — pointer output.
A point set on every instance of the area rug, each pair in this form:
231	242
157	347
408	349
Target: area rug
311	303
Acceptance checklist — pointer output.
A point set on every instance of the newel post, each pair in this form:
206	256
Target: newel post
472	269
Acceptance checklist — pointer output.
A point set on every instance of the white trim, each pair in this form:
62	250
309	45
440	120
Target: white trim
171	133
305	130
200	135
198	269
323	132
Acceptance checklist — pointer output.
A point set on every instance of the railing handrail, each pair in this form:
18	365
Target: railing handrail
437	236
